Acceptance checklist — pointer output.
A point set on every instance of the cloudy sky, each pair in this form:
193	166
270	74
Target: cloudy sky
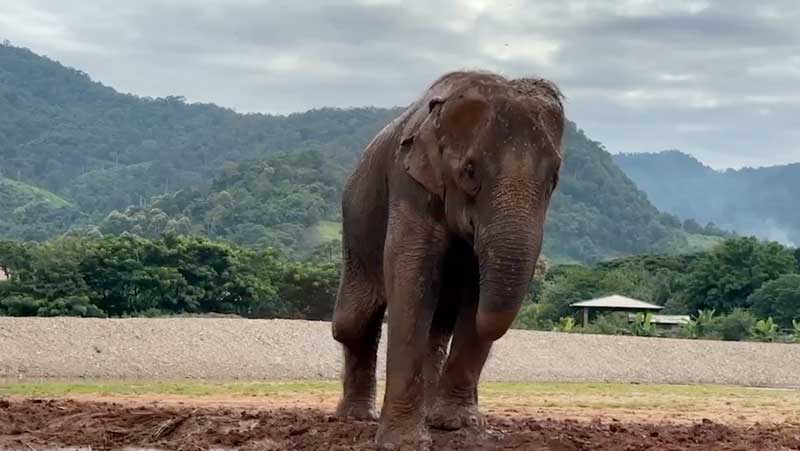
718	79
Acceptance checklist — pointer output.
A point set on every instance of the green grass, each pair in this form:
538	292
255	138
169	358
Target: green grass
328	231
23	193
166	388
490	389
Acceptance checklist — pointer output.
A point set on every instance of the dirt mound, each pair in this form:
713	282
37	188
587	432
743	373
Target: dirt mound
39	424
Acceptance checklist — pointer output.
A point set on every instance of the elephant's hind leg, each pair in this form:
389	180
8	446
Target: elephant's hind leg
357	320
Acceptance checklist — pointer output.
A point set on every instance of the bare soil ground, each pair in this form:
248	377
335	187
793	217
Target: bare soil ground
553	418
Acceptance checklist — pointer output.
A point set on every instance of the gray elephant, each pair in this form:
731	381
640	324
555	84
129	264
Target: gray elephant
443	223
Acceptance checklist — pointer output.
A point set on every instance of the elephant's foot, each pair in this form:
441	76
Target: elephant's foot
412	436
360	411
451	416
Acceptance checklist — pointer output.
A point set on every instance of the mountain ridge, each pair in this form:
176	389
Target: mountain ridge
108	152
746	200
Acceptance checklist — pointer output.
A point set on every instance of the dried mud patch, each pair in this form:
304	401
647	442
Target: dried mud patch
49	423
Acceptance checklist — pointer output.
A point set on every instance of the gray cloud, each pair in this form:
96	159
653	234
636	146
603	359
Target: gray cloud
715	78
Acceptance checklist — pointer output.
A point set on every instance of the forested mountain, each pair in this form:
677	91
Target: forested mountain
105	150
757	201
148	166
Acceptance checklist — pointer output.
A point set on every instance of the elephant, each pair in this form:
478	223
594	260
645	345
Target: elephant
442	224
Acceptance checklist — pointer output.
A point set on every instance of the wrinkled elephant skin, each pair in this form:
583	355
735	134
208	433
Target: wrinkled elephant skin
442	224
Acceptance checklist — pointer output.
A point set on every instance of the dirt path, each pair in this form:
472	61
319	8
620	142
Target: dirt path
40	424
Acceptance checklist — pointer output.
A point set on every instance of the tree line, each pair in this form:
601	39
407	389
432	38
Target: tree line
741	285
127	275
730	291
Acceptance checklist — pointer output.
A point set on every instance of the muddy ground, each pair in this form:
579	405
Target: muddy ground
27	424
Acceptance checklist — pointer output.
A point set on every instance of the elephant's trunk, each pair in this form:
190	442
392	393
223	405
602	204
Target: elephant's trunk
508	248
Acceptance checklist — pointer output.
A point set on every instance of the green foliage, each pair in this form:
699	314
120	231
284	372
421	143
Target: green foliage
30	213
16	305
77	305
134	276
643	325
598	212
724	278
565	324
796	330
735	326
779	299
701	325
765	330
280	202
154	166
312	286
614	323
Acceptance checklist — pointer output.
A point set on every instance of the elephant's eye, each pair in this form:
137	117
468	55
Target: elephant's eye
551	189
469	170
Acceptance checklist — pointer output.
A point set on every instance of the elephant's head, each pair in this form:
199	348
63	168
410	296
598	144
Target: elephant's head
491	151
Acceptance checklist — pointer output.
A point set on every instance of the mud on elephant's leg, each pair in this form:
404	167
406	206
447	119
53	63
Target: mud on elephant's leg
434	362
412	281
456	404
441	332
357	320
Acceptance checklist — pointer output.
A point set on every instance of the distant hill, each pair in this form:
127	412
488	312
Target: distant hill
757	201
146	165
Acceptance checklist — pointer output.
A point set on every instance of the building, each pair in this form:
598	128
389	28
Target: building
614	303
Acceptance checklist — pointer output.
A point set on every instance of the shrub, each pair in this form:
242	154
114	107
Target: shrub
531	317
735	326
643	325
701	325
565	324
779	299
19	306
71	306
796	330
615	323
765	330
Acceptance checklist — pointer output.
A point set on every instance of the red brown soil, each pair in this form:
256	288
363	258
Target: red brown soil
37	424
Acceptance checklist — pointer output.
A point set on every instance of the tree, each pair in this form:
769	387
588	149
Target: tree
797	257
724	278
765	330
779	299
737	325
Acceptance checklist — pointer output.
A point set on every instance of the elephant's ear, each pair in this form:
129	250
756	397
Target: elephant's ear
423	156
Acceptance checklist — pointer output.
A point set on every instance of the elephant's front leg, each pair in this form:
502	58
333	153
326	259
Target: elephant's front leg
413	254
456	401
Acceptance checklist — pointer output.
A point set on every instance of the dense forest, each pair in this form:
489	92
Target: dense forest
77	154
741	289
750	201
732	287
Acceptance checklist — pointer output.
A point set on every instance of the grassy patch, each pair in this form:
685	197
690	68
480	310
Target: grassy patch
575	400
166	388
329	231
500	390
25	193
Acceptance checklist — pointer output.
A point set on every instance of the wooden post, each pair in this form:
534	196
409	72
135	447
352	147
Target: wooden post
585	316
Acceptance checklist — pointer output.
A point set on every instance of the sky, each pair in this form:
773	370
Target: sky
717	79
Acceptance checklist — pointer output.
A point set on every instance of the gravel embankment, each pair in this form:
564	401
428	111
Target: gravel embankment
225	349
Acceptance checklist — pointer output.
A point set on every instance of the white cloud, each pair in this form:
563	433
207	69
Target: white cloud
716	78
